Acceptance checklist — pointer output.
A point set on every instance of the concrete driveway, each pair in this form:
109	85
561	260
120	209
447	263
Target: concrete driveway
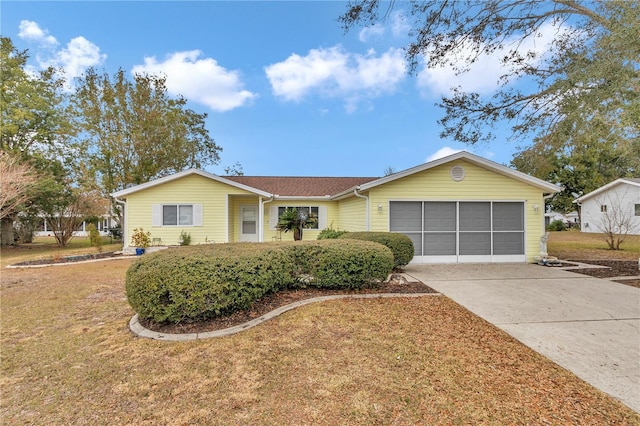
587	325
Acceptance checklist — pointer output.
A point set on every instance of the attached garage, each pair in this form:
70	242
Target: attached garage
461	208
462	231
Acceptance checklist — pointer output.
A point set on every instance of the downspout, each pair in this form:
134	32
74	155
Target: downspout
122	225
261	218
355	192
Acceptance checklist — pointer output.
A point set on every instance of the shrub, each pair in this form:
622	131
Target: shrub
330	233
185	238
200	282
342	264
94	237
214	280
557	225
139	238
400	245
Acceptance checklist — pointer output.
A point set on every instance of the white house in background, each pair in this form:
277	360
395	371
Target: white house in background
569	219
617	201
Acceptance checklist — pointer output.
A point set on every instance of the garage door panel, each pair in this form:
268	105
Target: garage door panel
439	216
475	216
508	243
508	217
439	243
462	231
406	216
475	243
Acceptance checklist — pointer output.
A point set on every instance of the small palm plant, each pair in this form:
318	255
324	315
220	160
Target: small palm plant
296	221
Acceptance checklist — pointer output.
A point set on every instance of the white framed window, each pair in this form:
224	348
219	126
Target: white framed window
603	208
637	209
177	215
319	211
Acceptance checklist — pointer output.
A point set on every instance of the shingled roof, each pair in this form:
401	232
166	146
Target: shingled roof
301	186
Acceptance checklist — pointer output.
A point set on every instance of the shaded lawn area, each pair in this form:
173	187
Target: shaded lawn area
69	358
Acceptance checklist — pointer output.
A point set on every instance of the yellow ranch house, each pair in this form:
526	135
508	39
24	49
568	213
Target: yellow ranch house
460	208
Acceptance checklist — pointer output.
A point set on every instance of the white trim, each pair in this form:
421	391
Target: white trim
182	174
632	182
472	158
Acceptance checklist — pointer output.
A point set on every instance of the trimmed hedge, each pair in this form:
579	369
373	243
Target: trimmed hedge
400	244
198	282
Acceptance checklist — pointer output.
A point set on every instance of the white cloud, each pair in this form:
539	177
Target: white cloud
200	80
78	55
367	33
31	31
483	75
441	153
335	73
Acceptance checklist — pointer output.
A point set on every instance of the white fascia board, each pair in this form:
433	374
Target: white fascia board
605	188
301	197
472	158
160	181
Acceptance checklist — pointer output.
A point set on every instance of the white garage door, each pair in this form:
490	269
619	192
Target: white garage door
461	231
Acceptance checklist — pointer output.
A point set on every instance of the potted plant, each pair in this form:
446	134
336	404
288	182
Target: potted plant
141	240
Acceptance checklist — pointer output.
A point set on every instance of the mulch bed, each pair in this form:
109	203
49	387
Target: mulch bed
276	300
614	268
69	259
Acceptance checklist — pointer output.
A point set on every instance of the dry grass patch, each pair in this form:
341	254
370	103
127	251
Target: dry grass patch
69	358
578	245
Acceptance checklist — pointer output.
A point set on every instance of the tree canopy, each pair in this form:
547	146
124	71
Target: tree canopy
132	131
590	70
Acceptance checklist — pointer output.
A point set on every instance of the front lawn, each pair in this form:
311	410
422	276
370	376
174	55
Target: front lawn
69	358
574	244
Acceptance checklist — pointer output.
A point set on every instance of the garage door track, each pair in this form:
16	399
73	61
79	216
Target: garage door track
587	325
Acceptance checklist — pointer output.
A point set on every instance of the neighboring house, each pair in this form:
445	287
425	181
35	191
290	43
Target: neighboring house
104	224
569	219
611	205
461	208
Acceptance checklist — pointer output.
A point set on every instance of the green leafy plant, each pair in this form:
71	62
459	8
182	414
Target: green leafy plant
94	237
557	225
295	221
139	238
400	244
185	238
330	233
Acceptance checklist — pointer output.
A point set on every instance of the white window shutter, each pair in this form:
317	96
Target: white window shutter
273	217
197	215
156	215
322	217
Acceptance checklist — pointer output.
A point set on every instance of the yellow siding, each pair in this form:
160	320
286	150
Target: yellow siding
352	215
478	184
192	189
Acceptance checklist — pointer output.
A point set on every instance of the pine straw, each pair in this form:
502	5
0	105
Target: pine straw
69	358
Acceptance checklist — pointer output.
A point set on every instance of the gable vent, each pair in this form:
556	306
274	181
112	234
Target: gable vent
457	173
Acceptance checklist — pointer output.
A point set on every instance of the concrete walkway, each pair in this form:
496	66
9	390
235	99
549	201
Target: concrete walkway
587	325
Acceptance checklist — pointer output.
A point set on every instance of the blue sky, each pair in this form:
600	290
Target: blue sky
287	92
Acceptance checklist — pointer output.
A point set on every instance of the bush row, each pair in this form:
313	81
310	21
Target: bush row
198	282
400	245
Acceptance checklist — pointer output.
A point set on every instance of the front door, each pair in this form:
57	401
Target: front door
248	223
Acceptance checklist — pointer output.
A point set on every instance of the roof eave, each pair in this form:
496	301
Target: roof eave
128	191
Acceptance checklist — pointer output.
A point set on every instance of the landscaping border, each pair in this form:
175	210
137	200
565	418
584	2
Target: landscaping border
138	330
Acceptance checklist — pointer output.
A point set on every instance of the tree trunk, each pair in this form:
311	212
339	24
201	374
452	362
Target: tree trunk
6	231
297	234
